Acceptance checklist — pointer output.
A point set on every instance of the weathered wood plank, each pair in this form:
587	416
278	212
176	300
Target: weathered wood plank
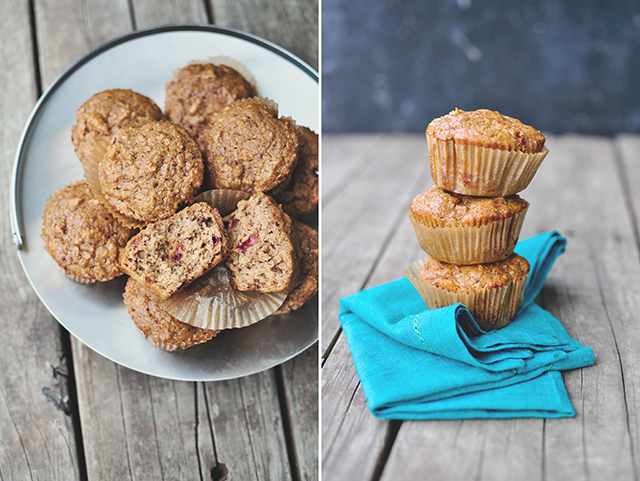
36	429
150	13
248	428
291	24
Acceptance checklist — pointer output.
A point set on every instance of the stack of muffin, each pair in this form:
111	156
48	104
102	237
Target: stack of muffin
197	205
470	221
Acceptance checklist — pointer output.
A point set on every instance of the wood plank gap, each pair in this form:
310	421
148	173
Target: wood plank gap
623	177
155	427
208	8
287	424
543	477
132	14
248	427
124	424
197	429
390	438
394	227
219	472
73	406
622	374
34	47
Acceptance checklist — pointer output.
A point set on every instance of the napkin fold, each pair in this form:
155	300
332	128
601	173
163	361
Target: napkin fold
416	363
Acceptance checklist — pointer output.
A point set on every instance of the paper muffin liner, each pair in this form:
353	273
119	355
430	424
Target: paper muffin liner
481	171
211	302
492	308
91	175
235	64
478	243
179	346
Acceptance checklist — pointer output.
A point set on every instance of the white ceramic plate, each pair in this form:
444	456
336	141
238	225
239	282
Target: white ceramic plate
45	162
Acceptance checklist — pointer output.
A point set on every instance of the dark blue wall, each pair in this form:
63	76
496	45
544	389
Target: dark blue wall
560	66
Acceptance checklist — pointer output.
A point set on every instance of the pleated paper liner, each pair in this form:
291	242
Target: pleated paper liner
480	243
224	60
481	171
491	308
211	302
91	175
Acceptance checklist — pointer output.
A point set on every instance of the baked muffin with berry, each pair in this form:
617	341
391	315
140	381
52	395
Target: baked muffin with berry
106	112
483	153
82	236
169	254
264	254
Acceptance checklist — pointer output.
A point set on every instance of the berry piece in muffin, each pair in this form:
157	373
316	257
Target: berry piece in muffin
201	90
169	254
107	112
82	236
152	171
158	326
263	255
248	148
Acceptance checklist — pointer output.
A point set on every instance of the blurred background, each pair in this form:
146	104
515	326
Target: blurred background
560	66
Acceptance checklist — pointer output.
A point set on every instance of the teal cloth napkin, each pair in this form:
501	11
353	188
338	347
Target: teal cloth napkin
416	363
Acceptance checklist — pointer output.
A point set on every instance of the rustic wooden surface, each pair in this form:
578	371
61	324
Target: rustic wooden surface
67	413
587	190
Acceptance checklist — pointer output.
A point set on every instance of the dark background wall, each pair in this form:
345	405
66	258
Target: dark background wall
561	66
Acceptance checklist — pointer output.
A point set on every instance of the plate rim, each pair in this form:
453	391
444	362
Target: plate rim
16	173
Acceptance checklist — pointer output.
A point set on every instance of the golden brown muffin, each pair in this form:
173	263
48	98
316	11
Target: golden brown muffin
248	148
171	253
82	236
107	112
300	196
158	326
486	128
462	229
483	153
201	90
492	292
263	254
152	171
306	283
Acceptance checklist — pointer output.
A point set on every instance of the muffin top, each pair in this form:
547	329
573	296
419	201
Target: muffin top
158	326
486	128
459	278
248	148
201	90
82	236
107	112
152	171
300	196
447	209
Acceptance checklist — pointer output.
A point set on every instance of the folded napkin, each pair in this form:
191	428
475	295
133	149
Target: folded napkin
416	363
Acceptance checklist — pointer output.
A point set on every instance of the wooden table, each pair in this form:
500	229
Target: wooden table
66	413
587	189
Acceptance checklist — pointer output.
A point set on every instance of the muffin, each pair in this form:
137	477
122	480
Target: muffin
461	229
150	172
263	255
158	326
492	292
300	196
169	254
201	90
107	112
248	148
82	236
483	153
306	283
